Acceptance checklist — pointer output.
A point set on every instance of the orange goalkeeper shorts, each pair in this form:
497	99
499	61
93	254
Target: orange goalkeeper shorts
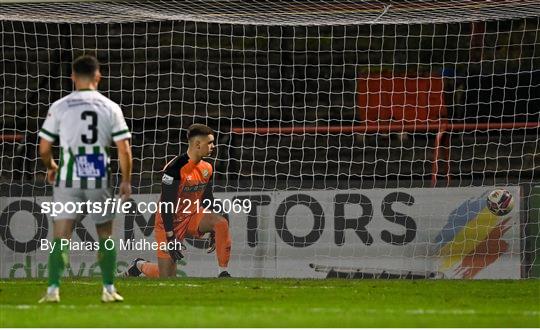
189	225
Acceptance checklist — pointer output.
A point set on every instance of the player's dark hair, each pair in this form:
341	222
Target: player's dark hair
85	65
198	130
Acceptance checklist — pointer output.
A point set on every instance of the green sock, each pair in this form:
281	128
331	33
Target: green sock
107	260
58	259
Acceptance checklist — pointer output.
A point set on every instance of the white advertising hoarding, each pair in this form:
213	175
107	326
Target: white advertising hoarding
439	233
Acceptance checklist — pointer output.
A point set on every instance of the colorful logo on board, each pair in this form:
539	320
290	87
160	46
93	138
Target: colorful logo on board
472	239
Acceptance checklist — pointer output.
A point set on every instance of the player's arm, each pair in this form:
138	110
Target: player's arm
45	151
48	134
121	137
126	163
208	195
170	184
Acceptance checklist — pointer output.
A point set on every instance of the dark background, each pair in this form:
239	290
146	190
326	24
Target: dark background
168	74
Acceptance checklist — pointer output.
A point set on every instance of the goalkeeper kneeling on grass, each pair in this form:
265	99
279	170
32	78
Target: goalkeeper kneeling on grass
187	177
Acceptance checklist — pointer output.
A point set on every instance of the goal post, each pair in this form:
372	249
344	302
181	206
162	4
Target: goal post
365	135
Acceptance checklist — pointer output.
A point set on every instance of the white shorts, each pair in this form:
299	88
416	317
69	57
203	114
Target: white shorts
77	196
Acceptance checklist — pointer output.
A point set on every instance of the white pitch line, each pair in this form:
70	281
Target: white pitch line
65	306
421	311
313	310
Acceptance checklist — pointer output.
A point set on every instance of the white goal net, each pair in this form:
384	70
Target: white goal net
365	134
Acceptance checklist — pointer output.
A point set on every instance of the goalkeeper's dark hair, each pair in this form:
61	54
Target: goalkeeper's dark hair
198	130
85	66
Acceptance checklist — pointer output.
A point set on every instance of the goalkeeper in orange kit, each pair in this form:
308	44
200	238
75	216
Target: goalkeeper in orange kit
186	182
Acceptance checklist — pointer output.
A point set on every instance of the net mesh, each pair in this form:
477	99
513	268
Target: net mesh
295	13
359	107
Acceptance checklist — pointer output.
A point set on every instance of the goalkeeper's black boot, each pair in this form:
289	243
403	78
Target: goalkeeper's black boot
224	274
133	270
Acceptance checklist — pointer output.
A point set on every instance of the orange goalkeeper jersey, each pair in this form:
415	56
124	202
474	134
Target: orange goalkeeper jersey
187	184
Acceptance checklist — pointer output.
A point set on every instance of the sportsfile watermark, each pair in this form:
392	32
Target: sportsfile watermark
117	206
110	244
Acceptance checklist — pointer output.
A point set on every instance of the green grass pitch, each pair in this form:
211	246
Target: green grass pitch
276	303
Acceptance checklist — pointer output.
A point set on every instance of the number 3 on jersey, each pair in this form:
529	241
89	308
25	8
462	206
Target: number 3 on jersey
92	127
90	165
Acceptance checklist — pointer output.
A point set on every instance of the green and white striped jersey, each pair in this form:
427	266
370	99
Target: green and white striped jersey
86	123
